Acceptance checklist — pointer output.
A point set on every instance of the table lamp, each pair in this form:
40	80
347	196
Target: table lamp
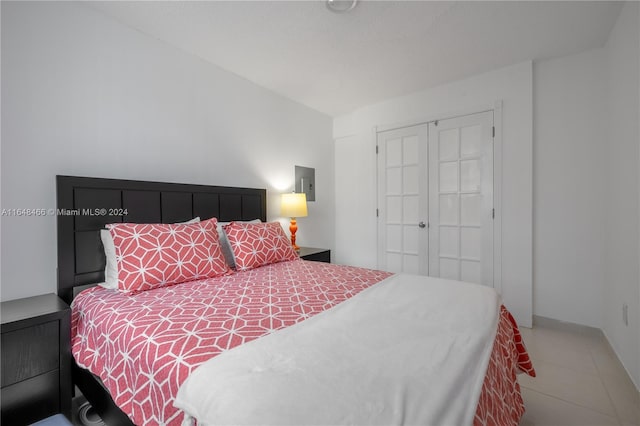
294	205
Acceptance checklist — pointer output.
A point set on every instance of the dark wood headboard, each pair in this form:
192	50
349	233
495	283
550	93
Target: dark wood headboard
86	205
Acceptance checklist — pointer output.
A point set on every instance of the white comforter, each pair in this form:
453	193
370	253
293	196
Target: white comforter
408	350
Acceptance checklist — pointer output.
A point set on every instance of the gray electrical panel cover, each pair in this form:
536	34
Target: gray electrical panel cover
306	182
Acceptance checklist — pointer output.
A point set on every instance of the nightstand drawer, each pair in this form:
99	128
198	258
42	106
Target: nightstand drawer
31	400
29	352
35	360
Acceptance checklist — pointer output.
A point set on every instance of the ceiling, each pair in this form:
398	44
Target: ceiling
335	63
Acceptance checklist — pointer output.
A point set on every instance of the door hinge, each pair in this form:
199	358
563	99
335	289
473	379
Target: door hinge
493	213
435	122
493	131
377	213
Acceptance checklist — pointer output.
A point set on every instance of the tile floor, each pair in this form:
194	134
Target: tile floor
579	381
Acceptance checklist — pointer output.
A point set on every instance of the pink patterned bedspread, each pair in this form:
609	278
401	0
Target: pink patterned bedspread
144	346
500	400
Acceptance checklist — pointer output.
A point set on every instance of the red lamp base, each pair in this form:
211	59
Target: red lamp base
293	228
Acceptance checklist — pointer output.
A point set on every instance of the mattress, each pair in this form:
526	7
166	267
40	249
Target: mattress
143	347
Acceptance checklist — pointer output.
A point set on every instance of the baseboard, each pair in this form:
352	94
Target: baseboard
567	326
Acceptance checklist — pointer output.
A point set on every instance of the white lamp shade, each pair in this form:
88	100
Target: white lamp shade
294	205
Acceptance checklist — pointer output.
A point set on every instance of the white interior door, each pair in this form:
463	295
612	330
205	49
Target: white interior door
435	199
402	201
461	198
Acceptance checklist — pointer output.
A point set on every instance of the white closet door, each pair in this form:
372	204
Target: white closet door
402	200
461	198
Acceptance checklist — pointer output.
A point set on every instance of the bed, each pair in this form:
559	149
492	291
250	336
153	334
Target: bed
246	346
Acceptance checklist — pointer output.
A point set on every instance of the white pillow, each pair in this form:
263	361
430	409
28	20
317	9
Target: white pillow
111	265
224	242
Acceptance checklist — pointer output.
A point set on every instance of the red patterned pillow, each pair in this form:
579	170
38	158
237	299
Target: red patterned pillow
151	255
258	244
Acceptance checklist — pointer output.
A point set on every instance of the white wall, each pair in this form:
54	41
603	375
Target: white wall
84	95
569	173
622	279
586	186
356	170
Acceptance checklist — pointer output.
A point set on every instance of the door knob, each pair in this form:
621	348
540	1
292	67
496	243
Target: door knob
422	225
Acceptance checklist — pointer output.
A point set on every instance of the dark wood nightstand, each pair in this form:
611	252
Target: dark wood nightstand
315	254
36	359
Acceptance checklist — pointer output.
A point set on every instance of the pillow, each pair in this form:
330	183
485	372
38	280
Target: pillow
224	242
111	266
258	244
155	255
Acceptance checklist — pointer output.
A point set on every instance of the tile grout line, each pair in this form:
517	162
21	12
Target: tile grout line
597	374
590	346
616	418
606	388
